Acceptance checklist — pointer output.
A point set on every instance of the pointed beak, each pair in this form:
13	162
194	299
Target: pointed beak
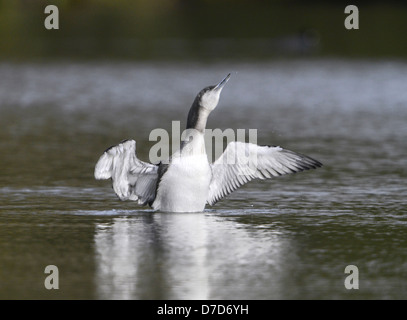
221	84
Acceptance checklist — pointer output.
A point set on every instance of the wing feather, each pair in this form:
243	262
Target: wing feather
243	162
132	179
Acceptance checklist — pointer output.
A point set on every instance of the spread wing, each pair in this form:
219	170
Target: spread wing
132	179
243	162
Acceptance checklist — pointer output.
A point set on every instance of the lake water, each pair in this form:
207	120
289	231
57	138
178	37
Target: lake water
286	238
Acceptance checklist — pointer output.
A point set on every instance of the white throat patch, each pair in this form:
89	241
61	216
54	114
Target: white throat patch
210	99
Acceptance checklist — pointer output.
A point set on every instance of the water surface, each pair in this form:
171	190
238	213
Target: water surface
287	238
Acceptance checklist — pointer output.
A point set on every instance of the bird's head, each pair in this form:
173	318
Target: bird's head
208	98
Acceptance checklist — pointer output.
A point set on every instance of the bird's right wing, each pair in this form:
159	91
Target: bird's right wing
243	162
132	179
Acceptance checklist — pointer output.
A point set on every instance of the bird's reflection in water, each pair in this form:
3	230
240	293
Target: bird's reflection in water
187	256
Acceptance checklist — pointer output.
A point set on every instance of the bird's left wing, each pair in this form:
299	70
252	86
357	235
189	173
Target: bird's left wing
132	178
243	162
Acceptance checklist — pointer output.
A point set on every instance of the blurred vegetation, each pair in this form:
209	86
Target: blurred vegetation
205	29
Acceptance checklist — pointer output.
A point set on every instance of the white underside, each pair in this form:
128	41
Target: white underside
185	185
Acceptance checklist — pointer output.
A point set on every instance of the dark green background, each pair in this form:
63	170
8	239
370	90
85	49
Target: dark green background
179	29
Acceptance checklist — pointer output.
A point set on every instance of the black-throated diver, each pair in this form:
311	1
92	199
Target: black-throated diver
188	181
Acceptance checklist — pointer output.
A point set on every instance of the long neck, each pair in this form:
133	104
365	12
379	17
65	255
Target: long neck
197	117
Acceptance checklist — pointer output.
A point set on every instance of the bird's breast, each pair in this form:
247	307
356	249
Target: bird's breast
185	185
